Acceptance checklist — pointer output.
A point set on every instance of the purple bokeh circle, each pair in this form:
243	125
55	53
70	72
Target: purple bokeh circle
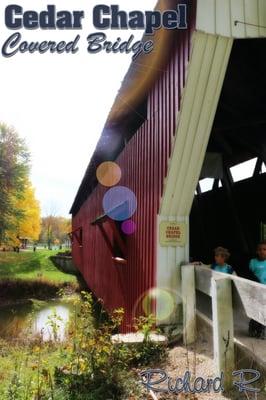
128	227
119	203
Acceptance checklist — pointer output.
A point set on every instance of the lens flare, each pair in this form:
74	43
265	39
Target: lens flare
119	203
128	227
161	300
109	174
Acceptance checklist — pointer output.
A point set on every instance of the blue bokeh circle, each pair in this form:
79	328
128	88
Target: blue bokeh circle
119	203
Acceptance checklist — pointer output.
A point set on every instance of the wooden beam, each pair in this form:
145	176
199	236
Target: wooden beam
198	189
252	294
253	298
118	237
215	185
189	304
223	329
203	277
100	220
77	234
106	239
227	178
258	167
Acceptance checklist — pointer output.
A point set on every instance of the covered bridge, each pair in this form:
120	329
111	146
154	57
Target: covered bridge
192	109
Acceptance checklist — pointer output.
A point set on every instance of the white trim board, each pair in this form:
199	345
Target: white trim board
206	72
207	68
218	17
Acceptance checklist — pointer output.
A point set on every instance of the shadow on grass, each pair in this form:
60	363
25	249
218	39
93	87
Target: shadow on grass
13	264
41	289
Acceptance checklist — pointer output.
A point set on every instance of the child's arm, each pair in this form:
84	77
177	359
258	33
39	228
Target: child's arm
251	266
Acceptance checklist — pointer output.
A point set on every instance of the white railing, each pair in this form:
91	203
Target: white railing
220	287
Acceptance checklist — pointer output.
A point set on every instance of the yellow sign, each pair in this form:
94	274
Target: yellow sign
172	234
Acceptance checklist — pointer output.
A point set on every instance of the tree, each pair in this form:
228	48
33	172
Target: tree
30	225
55	230
14	171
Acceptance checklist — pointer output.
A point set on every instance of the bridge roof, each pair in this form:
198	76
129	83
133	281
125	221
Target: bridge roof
141	76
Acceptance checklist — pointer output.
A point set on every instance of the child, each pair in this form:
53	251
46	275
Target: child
258	267
221	256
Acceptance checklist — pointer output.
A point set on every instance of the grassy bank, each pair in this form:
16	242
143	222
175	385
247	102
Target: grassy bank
28	265
87	365
31	275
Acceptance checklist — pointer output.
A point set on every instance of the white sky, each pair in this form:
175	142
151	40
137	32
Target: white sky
59	103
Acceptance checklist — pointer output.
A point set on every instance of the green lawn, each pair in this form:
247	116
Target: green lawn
29	266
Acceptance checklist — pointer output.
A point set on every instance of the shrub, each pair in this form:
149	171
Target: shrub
148	352
98	368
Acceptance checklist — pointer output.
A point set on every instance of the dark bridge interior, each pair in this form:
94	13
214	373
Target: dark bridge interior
232	213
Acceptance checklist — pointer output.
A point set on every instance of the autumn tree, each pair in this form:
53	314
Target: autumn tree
29	227
55	230
19	209
14	170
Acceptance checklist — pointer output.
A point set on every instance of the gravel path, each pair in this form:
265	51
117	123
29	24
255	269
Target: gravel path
198	359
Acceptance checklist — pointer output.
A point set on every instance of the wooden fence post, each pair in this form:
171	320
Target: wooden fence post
189	304
223	328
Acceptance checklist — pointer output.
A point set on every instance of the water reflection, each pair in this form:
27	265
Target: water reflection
51	323
17	321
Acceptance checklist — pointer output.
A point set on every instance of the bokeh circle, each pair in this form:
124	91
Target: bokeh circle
128	227
119	203
109	174
163	300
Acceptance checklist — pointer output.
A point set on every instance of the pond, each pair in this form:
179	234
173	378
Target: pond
33	319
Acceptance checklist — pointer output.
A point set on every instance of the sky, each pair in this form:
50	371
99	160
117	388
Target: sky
59	102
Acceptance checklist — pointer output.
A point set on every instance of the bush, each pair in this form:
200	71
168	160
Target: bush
98	368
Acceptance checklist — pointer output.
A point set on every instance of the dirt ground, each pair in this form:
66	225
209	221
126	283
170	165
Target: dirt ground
198	359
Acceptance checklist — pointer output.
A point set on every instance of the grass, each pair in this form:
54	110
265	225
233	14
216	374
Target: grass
29	274
24	361
28	266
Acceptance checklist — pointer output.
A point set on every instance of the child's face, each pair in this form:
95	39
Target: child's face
219	259
262	252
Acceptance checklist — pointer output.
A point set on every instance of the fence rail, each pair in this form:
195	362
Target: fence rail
223	289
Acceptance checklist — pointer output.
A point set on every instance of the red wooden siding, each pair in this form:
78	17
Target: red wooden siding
144	166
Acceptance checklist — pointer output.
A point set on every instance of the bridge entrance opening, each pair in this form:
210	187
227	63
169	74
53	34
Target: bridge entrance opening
229	205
